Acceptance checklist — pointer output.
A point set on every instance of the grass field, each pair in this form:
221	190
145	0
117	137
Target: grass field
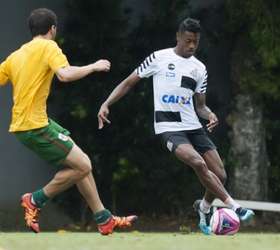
137	241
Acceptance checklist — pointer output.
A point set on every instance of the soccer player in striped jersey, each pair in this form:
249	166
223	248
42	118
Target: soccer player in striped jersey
30	70
178	77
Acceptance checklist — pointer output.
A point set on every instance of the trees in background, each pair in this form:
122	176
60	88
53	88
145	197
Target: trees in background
255	61
134	172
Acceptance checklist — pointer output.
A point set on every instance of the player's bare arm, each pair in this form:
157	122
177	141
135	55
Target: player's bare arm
205	112
73	73
121	90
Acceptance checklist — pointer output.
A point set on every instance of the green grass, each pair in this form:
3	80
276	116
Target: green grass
137	241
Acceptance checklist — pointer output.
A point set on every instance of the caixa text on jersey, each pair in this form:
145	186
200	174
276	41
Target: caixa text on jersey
176	99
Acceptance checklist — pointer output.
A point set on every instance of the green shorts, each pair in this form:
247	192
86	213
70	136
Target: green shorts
51	143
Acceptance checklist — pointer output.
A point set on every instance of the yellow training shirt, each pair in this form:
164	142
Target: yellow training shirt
31	69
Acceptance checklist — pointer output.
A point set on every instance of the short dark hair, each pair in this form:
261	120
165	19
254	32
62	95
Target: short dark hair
41	20
190	24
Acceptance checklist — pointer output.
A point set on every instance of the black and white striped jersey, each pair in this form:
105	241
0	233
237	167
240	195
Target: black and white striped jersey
175	81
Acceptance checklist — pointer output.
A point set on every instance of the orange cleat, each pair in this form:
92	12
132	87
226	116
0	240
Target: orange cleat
116	222
31	213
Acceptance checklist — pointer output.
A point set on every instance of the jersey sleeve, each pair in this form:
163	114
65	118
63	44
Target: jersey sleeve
4	73
148	67
202	83
56	59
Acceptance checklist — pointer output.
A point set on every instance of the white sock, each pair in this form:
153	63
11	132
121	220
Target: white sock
232	203
32	200
204	206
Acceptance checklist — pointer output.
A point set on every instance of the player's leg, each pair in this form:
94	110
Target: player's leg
182	143
63	179
79	172
53	144
105	220
207	149
187	154
179	142
33	202
69	176
88	189
214	164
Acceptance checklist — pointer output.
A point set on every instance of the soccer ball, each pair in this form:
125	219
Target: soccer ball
224	221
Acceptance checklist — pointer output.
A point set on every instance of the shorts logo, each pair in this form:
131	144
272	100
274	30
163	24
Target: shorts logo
171	66
62	137
169	145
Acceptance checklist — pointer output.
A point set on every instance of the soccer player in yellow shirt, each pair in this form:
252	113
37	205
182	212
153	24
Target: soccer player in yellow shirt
31	69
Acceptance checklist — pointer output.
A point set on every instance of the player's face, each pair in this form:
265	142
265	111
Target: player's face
187	43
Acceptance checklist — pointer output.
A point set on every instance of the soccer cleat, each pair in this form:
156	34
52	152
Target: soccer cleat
115	221
31	213
204	219
244	214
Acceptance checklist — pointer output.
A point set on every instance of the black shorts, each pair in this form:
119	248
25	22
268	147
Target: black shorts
197	138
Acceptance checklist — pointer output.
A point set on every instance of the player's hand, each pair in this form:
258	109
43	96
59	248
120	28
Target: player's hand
213	122
102	116
102	65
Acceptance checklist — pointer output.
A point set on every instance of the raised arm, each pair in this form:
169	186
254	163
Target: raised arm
116	94
205	112
73	73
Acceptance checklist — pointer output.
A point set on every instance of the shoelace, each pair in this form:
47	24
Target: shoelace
241	211
122	221
31	215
